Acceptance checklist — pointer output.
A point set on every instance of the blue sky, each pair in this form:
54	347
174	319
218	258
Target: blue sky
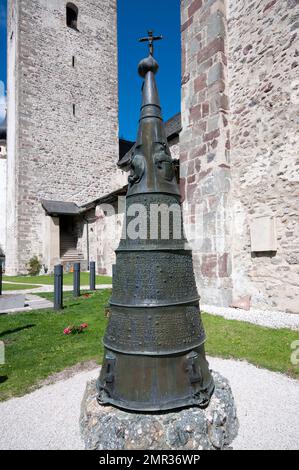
135	17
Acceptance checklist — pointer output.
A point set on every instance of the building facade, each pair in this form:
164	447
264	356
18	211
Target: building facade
239	148
236	140
3	164
62	119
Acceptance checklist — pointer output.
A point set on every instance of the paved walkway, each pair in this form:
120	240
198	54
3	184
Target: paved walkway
32	302
49	288
267	405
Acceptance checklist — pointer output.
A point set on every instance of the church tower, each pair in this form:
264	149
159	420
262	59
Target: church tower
62	116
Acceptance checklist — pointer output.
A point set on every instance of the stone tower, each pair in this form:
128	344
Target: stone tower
239	148
62	115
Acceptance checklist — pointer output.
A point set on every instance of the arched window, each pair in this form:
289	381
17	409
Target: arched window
72	15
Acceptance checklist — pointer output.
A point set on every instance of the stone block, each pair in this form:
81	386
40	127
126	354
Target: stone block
222	180
200	83
224	265
209	265
195	113
215	46
194	7
184	170
215	73
263	234
213	123
216	27
211	135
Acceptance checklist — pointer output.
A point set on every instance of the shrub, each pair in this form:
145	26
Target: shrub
34	266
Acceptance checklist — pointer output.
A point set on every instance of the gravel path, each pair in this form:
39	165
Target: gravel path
268	318
267	405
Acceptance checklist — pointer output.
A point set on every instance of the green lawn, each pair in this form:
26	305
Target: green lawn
49	279
36	347
264	347
17	286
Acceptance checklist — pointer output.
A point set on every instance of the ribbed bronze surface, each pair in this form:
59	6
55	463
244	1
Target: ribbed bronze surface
154	331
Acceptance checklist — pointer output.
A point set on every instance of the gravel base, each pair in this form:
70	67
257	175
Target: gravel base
267	409
268	318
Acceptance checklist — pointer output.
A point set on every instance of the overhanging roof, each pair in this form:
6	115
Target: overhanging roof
60	208
108	198
173	126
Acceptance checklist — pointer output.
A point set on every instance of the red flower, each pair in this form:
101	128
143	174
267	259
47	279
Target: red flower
84	325
67	331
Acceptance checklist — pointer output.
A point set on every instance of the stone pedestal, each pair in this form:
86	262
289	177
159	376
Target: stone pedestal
107	428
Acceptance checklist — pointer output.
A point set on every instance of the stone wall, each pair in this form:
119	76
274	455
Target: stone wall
263	79
174	146
62	119
12	194
239	148
205	144
2	204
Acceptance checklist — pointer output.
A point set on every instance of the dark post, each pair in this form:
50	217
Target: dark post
113	271
92	275
58	287
0	277
76	290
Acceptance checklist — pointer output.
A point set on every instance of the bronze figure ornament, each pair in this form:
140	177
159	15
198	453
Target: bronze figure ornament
154	356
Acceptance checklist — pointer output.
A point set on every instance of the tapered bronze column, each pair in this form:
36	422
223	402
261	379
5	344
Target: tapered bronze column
154	344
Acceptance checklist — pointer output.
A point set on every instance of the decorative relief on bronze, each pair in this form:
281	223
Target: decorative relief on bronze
143	280
154	331
137	168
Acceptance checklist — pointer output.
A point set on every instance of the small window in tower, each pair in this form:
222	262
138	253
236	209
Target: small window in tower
74	110
72	16
73	61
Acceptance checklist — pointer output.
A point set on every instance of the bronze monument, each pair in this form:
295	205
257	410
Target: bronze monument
154	355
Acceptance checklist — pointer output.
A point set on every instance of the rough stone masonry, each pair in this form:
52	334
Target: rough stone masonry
239	147
62	114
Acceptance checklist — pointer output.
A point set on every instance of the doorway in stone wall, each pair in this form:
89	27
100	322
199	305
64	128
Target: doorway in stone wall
68	240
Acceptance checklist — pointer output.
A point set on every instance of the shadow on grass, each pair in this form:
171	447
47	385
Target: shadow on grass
3	378
15	330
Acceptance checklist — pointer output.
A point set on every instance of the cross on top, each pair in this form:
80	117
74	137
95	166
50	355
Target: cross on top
150	39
